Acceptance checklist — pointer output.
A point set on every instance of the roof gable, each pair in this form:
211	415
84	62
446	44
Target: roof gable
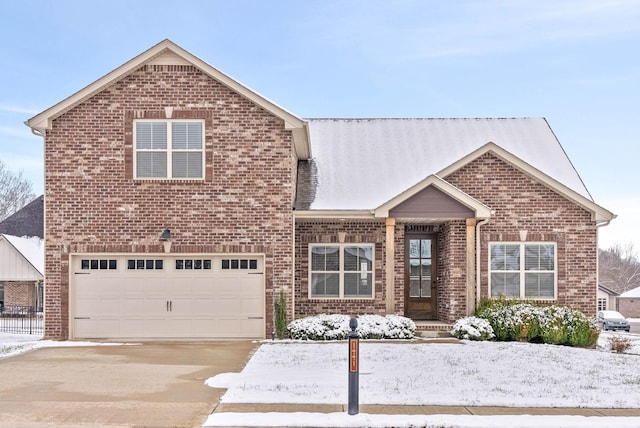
598	213
433	198
167	52
21	259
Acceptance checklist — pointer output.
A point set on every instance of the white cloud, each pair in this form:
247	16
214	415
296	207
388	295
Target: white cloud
17	109
411	30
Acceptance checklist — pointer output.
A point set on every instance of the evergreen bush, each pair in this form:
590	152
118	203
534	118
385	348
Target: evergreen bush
554	324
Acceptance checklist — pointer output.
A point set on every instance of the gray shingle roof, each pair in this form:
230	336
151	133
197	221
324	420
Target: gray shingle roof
359	164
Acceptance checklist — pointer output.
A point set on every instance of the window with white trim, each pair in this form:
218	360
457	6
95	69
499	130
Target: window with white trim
523	270
341	271
602	304
172	149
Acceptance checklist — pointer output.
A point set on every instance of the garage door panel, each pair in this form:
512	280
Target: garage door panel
90	306
89	328
169	302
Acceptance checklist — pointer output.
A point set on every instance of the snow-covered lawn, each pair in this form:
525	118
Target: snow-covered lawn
506	374
467	373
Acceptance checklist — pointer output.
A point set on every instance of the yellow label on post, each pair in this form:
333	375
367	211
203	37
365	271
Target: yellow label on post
353	355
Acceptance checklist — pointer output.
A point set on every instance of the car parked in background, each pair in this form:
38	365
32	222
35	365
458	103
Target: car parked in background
613	320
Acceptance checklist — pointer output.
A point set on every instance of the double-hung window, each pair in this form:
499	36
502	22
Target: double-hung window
342	271
523	270
171	149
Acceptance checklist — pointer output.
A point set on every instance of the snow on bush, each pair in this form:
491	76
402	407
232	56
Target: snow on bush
558	325
472	328
336	327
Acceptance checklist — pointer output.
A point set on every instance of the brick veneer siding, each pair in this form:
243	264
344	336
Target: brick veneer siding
328	233
521	203
94	205
628	306
452	271
451	266
20	293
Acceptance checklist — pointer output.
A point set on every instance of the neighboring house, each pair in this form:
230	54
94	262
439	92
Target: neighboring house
607	298
21	271
21	276
179	203
629	303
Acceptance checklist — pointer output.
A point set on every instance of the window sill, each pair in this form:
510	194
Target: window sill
140	181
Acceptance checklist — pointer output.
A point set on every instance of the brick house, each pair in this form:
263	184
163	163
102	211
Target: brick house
21	272
22	257
179	204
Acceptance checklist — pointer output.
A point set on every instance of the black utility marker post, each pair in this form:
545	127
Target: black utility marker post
354	343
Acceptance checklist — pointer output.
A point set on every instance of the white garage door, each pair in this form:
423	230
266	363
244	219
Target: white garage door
147	296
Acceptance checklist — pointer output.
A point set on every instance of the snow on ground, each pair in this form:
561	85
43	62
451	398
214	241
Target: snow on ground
14	344
422	372
505	374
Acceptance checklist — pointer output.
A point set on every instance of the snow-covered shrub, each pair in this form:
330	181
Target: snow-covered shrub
320	327
387	327
336	327
472	328
560	325
582	330
510	320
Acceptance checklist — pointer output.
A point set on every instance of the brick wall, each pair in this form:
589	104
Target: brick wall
628	306
328	232
452	271
94	205
521	203
19	293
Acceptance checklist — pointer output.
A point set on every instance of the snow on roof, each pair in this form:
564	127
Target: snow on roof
634	292
363	163
31	248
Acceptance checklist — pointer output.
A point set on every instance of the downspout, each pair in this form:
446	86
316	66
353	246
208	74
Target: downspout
599	225
478	224
293	266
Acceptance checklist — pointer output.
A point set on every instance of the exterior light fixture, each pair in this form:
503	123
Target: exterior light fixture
165	237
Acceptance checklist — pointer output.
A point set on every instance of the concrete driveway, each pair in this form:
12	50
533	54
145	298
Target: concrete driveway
134	385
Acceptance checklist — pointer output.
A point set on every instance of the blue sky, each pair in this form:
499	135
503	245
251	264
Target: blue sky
574	62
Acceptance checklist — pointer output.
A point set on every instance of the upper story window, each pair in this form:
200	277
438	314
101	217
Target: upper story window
170	149
523	270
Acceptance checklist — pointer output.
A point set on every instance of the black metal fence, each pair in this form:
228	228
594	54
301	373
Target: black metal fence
20	320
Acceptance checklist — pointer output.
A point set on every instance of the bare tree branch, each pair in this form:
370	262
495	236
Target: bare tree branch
15	191
619	267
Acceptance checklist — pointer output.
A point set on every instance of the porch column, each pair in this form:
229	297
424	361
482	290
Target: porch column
390	273
471	265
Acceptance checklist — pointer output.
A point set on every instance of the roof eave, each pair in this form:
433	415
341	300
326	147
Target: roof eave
334	214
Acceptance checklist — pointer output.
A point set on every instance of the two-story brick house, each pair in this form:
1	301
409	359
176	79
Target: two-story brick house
179	203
